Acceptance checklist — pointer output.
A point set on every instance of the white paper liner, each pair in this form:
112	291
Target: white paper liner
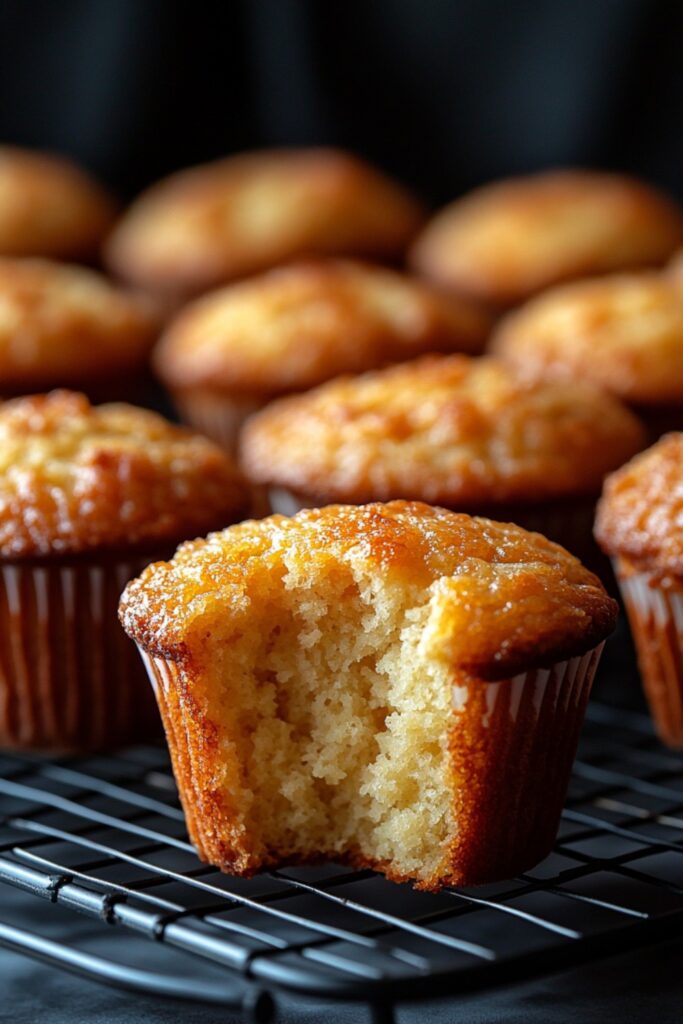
69	678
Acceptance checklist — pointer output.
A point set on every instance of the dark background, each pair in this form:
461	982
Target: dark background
443	93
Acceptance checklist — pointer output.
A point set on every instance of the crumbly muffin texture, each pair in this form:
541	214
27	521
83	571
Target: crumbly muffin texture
76	478
243	214
624	332
318	657
300	325
640	514
49	207
445	429
65	324
506	241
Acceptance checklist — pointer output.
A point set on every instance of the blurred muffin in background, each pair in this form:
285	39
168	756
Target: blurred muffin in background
468	434
675	268
88	496
49	207
504	242
623	332
211	224
64	325
640	525
292	328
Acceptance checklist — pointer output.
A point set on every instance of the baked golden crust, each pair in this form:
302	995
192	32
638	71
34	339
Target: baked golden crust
624	332
640	514
505	600
63	324
299	325
236	216
49	207
76	478
506	241
444	429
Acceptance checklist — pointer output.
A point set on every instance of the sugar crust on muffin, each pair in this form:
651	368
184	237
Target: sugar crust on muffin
624	332
299	325
77	478
49	207
236	216
505	241
444	429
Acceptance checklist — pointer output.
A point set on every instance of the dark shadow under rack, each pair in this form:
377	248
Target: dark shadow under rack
104	835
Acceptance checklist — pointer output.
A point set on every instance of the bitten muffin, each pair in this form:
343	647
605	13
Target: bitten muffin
506	241
470	434
49	207
624	332
88	497
640	525
243	214
292	328
394	686
65	325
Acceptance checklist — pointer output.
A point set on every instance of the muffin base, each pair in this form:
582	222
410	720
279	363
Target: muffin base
219	416
655	611
69	678
512	742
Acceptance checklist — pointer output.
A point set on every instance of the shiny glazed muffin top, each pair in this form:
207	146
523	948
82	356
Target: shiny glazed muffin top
76	477
623	332
246	213
446	429
640	514
61	323
49	207
500	600
510	239
296	326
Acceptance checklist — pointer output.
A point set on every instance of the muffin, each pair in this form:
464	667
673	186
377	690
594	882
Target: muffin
392	686
676	267
49	207
506	241
65	325
292	328
624	332
469	434
88	497
237	216
640	525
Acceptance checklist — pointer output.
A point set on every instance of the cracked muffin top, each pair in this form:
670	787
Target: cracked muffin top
299	325
64	324
498	599
624	332
49	207
446	429
243	214
506	241
76	477
640	514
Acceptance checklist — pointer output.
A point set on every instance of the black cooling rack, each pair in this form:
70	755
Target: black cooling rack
105	836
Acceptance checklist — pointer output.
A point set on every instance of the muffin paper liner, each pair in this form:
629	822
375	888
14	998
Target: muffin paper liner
568	523
69	677
655	613
220	417
511	748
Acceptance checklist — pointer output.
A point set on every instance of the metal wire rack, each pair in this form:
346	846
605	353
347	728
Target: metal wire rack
105	836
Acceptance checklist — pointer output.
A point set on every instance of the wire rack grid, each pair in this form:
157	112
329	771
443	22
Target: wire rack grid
105	836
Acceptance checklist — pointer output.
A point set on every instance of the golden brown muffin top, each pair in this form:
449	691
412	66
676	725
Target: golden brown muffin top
501	600
640	514
63	324
76	477
299	325
623	332
49	207
246	213
444	429
506	241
